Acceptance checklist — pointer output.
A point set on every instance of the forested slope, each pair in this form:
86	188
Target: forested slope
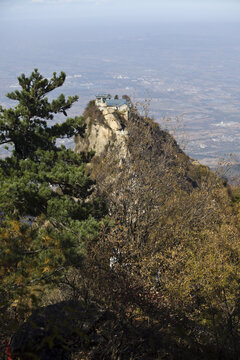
124	249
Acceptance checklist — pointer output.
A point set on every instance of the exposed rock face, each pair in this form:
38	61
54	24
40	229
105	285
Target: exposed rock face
104	130
135	142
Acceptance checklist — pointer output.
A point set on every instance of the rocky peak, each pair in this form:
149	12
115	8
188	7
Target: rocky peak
105	129
136	146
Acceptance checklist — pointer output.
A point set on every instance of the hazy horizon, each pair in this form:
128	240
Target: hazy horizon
115	11
184	55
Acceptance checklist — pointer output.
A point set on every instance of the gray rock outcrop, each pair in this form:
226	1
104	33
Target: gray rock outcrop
104	130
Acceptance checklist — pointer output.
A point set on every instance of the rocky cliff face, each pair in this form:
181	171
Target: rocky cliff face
135	142
104	130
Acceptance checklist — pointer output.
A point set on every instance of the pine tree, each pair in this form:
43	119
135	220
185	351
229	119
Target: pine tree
27	125
45	183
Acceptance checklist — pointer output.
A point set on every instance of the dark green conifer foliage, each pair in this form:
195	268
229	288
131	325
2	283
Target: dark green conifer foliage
27	125
44	181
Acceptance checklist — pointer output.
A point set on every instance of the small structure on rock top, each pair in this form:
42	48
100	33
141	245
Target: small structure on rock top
105	101
102	99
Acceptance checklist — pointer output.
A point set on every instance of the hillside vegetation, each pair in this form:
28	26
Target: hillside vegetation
175	243
132	251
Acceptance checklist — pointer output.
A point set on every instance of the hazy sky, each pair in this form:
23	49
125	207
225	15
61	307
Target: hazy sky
129	10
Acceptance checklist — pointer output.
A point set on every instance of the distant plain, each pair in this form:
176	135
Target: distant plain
187	71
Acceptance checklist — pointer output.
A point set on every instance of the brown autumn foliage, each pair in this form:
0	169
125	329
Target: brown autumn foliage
174	248
168	268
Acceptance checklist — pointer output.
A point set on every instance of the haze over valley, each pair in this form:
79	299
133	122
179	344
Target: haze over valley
189	71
